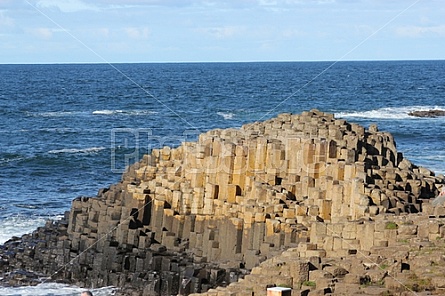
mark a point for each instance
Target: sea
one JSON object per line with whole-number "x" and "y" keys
{"x": 67, "y": 130}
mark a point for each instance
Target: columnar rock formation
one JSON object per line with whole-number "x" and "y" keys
{"x": 189, "y": 218}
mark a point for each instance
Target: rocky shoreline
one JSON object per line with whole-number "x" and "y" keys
{"x": 43, "y": 257}
{"x": 304, "y": 201}
{"x": 428, "y": 113}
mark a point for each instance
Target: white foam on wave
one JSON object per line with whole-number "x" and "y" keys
{"x": 124, "y": 112}
{"x": 107, "y": 112}
{"x": 96, "y": 112}
{"x": 19, "y": 225}
{"x": 52, "y": 289}
{"x": 12, "y": 159}
{"x": 226, "y": 115}
{"x": 75, "y": 150}
{"x": 388, "y": 113}
{"x": 55, "y": 113}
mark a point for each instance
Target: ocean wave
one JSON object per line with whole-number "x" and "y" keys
{"x": 388, "y": 113}
{"x": 55, "y": 113}
{"x": 26, "y": 206}
{"x": 49, "y": 157}
{"x": 124, "y": 112}
{"x": 52, "y": 130}
{"x": 18, "y": 225}
{"x": 90, "y": 150}
{"x": 96, "y": 112}
{"x": 47, "y": 289}
{"x": 226, "y": 115}
{"x": 6, "y": 160}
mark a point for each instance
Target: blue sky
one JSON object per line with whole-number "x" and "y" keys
{"x": 98, "y": 31}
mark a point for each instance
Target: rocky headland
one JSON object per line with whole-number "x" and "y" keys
{"x": 305, "y": 201}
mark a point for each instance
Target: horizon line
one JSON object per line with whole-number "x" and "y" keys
{"x": 220, "y": 62}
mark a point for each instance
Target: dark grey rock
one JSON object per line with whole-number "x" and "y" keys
{"x": 428, "y": 113}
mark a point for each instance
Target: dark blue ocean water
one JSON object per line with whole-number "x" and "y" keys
{"x": 68, "y": 130}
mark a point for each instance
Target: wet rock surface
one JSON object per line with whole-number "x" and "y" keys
{"x": 46, "y": 256}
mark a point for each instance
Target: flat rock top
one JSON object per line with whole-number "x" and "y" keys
{"x": 429, "y": 113}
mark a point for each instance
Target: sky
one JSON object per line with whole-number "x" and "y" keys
{"x": 113, "y": 31}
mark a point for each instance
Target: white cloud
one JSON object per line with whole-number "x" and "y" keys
{"x": 66, "y": 5}
{"x": 293, "y": 2}
{"x": 292, "y": 33}
{"x": 144, "y": 3}
{"x": 5, "y": 21}
{"x": 101, "y": 32}
{"x": 364, "y": 30}
{"x": 42, "y": 33}
{"x": 137, "y": 33}
{"x": 223, "y": 32}
{"x": 418, "y": 31}
{"x": 267, "y": 2}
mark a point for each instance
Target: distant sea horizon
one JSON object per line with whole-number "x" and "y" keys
{"x": 220, "y": 62}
